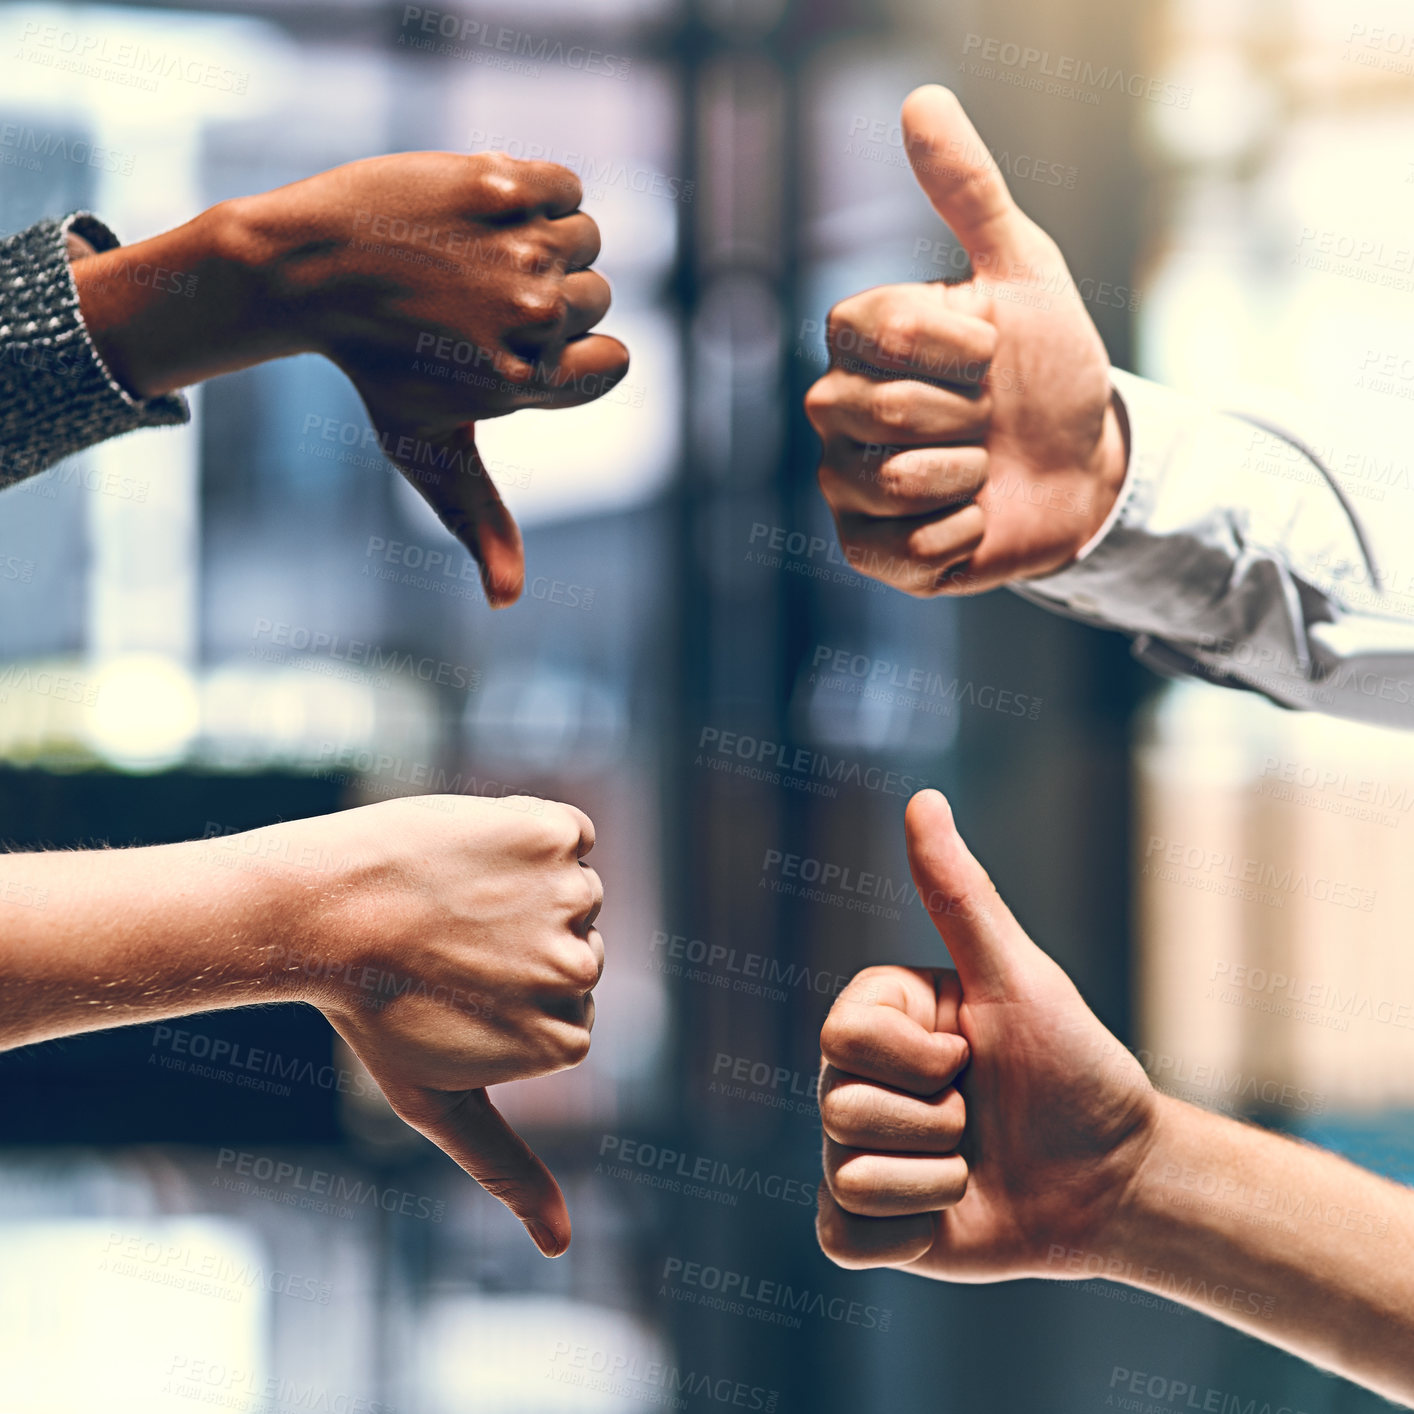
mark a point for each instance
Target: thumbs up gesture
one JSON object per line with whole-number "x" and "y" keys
{"x": 970, "y": 437}
{"x": 976, "y": 1119}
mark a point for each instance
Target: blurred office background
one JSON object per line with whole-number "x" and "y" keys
{"x": 174, "y": 663}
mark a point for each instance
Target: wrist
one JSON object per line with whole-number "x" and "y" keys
{"x": 273, "y": 900}
{"x": 249, "y": 248}
{"x": 1135, "y": 1233}
{"x": 1108, "y": 472}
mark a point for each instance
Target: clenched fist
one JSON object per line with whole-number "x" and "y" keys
{"x": 969, "y": 432}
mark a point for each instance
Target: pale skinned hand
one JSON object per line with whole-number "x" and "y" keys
{"x": 970, "y": 437}
{"x": 972, "y": 1118}
{"x": 449, "y": 288}
{"x": 455, "y": 950}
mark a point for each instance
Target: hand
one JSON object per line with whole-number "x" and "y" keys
{"x": 449, "y": 288}
{"x": 970, "y": 436}
{"x": 973, "y": 1120}
{"x": 451, "y": 942}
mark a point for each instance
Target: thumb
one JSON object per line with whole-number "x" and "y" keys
{"x": 473, "y": 1133}
{"x": 987, "y": 945}
{"x": 450, "y": 476}
{"x": 961, "y": 178}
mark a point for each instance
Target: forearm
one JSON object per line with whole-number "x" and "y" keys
{"x": 183, "y": 306}
{"x": 107, "y": 938}
{"x": 1289, "y": 1243}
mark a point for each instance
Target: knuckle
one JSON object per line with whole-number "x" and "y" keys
{"x": 566, "y": 183}
{"x": 920, "y": 583}
{"x": 915, "y": 545}
{"x": 952, "y": 1114}
{"x": 839, "y": 1036}
{"x": 559, "y": 830}
{"x": 574, "y": 1048}
{"x": 838, "y": 320}
{"x": 964, "y": 1180}
{"x": 830, "y": 1235}
{"x": 536, "y": 306}
{"x": 583, "y": 970}
{"x": 849, "y": 1112}
{"x": 899, "y": 333}
{"x": 502, "y": 183}
{"x": 968, "y": 471}
{"x": 820, "y": 400}
{"x": 891, "y": 404}
{"x": 856, "y": 1183}
{"x": 826, "y": 477}
{"x": 897, "y": 477}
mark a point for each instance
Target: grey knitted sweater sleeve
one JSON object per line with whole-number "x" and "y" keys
{"x": 56, "y": 394}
